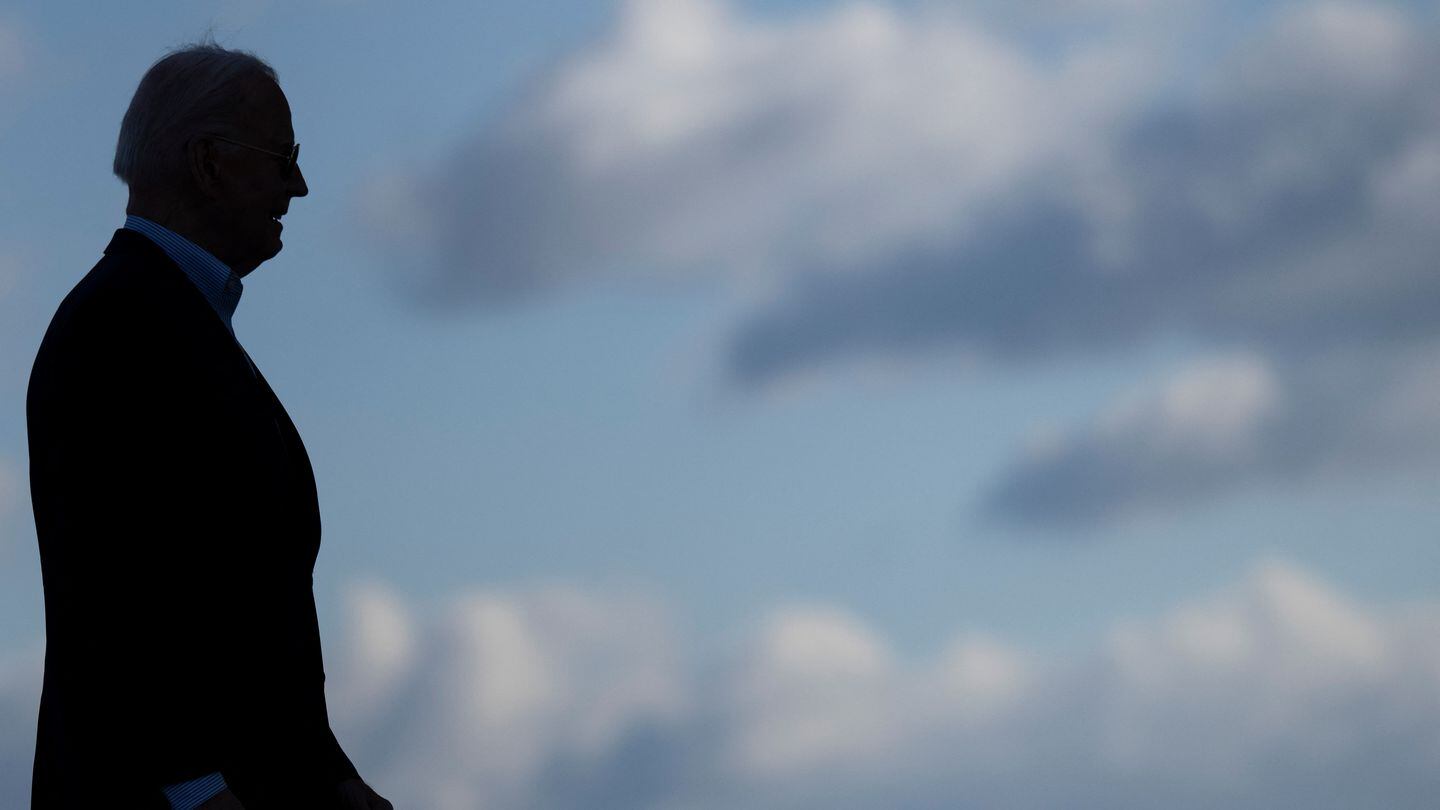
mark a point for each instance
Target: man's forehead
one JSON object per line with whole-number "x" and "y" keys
{"x": 266, "y": 110}
{"x": 284, "y": 135}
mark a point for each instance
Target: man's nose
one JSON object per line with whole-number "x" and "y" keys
{"x": 298, "y": 187}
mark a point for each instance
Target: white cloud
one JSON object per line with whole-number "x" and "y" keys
{"x": 1276, "y": 692}
{"x": 1364, "y": 47}
{"x": 380, "y": 651}
{"x": 812, "y": 693}
{"x": 1192, "y": 434}
{"x": 695, "y": 140}
{"x": 1271, "y": 205}
{"x": 472, "y": 707}
{"x": 21, "y": 674}
{"x": 1228, "y": 422}
{"x": 883, "y": 182}
{"x": 1212, "y": 409}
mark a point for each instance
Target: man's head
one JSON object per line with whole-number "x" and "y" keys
{"x": 193, "y": 150}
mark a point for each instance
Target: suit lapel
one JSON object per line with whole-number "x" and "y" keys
{"x": 237, "y": 371}
{"x": 299, "y": 460}
{"x": 146, "y": 256}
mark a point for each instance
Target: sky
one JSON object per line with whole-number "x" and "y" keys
{"x": 745, "y": 403}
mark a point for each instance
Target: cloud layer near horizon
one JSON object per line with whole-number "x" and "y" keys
{"x": 1274, "y": 692}
{"x": 881, "y": 183}
{"x": 1277, "y": 692}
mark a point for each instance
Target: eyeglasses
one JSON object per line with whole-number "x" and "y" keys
{"x": 290, "y": 160}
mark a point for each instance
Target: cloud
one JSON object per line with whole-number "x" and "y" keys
{"x": 1016, "y": 183}
{"x": 474, "y": 707}
{"x": 904, "y": 176}
{"x": 21, "y": 673}
{"x": 1226, "y": 422}
{"x": 1191, "y": 436}
{"x": 695, "y": 141}
{"x": 1275, "y": 692}
{"x": 1277, "y": 205}
{"x": 1280, "y": 211}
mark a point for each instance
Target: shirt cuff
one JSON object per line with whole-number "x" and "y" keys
{"x": 192, "y": 794}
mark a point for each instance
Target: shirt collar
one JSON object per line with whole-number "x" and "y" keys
{"x": 215, "y": 280}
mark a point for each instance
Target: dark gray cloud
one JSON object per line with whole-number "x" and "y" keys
{"x": 1267, "y": 207}
{"x": 1292, "y": 214}
{"x": 1286, "y": 208}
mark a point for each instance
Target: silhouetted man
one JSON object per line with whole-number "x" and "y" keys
{"x": 174, "y": 503}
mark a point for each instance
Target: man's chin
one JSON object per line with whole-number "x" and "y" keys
{"x": 246, "y": 268}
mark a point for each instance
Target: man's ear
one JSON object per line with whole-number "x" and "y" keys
{"x": 203, "y": 161}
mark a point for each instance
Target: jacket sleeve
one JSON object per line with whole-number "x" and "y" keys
{"x": 333, "y": 766}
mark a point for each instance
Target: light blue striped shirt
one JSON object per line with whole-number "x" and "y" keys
{"x": 192, "y": 794}
{"x": 222, "y": 288}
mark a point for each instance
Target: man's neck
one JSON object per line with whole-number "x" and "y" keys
{"x": 177, "y": 216}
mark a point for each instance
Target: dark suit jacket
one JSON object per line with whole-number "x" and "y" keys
{"x": 178, "y": 528}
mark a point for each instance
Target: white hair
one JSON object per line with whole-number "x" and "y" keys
{"x": 192, "y": 90}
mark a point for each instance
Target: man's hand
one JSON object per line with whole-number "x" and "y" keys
{"x": 224, "y": 800}
{"x": 356, "y": 795}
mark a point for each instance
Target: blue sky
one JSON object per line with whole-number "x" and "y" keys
{"x": 871, "y": 343}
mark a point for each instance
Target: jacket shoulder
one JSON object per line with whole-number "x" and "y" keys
{"x": 122, "y": 305}
{"x": 133, "y": 273}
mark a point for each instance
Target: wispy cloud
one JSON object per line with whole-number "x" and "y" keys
{"x": 1277, "y": 692}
